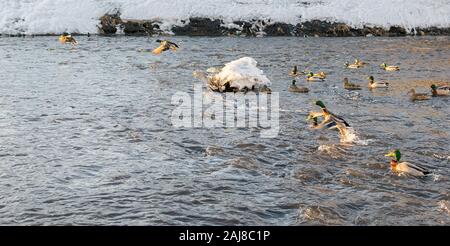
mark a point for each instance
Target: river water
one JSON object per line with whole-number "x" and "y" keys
{"x": 86, "y": 136}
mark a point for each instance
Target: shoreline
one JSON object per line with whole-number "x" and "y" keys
{"x": 113, "y": 25}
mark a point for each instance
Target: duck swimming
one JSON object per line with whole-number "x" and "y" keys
{"x": 442, "y": 90}
{"x": 418, "y": 96}
{"x": 66, "y": 38}
{"x": 350, "y": 86}
{"x": 356, "y": 64}
{"x": 405, "y": 167}
{"x": 314, "y": 77}
{"x": 360, "y": 63}
{"x": 165, "y": 45}
{"x": 294, "y": 88}
{"x": 353, "y": 66}
{"x": 389, "y": 68}
{"x": 373, "y": 84}
{"x": 295, "y": 73}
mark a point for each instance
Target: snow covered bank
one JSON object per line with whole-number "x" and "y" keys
{"x": 238, "y": 75}
{"x": 283, "y": 17}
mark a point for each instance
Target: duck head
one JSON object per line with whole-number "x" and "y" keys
{"x": 383, "y": 65}
{"x": 293, "y": 82}
{"x": 320, "y": 104}
{"x": 345, "y": 80}
{"x": 371, "y": 79}
{"x": 433, "y": 87}
{"x": 395, "y": 154}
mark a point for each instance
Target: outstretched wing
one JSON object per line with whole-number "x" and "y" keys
{"x": 340, "y": 120}
{"x": 173, "y": 44}
{"x": 71, "y": 40}
{"x": 160, "y": 49}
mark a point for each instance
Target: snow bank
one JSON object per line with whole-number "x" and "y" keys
{"x": 49, "y": 16}
{"x": 56, "y": 16}
{"x": 242, "y": 73}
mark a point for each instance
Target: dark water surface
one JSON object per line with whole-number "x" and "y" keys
{"x": 86, "y": 136}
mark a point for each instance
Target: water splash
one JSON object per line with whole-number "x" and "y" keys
{"x": 444, "y": 206}
{"x": 335, "y": 151}
{"x": 436, "y": 177}
{"x": 351, "y": 137}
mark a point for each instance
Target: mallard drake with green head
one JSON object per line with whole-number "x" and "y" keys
{"x": 442, "y": 90}
{"x": 330, "y": 120}
{"x": 405, "y": 167}
{"x": 389, "y": 68}
{"x": 376, "y": 84}
{"x": 314, "y": 77}
{"x": 329, "y": 115}
{"x": 350, "y": 86}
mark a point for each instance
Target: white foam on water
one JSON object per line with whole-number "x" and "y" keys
{"x": 352, "y": 137}
{"x": 436, "y": 177}
{"x": 444, "y": 206}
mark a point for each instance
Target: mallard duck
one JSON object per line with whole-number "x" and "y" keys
{"x": 314, "y": 77}
{"x": 330, "y": 116}
{"x": 360, "y": 63}
{"x": 165, "y": 45}
{"x": 294, "y": 88}
{"x": 389, "y": 68}
{"x": 405, "y": 167}
{"x": 294, "y": 72}
{"x": 353, "y": 66}
{"x": 350, "y": 86}
{"x": 66, "y": 38}
{"x": 373, "y": 84}
{"x": 418, "y": 96}
{"x": 330, "y": 120}
{"x": 442, "y": 90}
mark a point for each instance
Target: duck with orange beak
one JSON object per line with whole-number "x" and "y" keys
{"x": 405, "y": 167}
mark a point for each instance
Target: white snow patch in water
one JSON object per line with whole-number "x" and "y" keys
{"x": 243, "y": 73}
